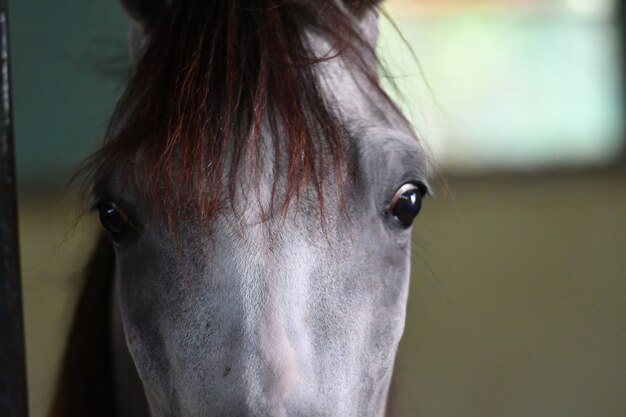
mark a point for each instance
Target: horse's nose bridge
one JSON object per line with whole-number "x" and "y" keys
{"x": 273, "y": 276}
{"x": 274, "y": 332}
{"x": 278, "y": 352}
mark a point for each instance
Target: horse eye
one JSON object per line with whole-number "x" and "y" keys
{"x": 114, "y": 220}
{"x": 407, "y": 202}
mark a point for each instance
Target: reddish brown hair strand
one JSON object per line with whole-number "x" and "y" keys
{"x": 213, "y": 75}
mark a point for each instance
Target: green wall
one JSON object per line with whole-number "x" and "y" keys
{"x": 68, "y": 61}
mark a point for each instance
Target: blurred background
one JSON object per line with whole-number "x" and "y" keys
{"x": 518, "y": 296}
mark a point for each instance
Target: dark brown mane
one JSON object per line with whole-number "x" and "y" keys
{"x": 212, "y": 74}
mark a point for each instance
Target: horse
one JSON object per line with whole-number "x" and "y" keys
{"x": 257, "y": 189}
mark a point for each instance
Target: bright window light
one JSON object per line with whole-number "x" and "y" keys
{"x": 509, "y": 84}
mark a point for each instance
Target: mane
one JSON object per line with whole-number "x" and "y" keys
{"x": 212, "y": 77}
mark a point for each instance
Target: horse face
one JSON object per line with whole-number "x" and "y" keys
{"x": 292, "y": 315}
{"x": 289, "y": 316}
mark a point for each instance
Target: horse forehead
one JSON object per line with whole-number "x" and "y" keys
{"x": 369, "y": 120}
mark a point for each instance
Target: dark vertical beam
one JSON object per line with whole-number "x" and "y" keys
{"x": 13, "y": 395}
{"x": 620, "y": 23}
{"x": 621, "y": 26}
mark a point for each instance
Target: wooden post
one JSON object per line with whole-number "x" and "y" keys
{"x": 13, "y": 392}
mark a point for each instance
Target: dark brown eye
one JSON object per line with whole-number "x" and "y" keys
{"x": 407, "y": 202}
{"x": 114, "y": 220}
